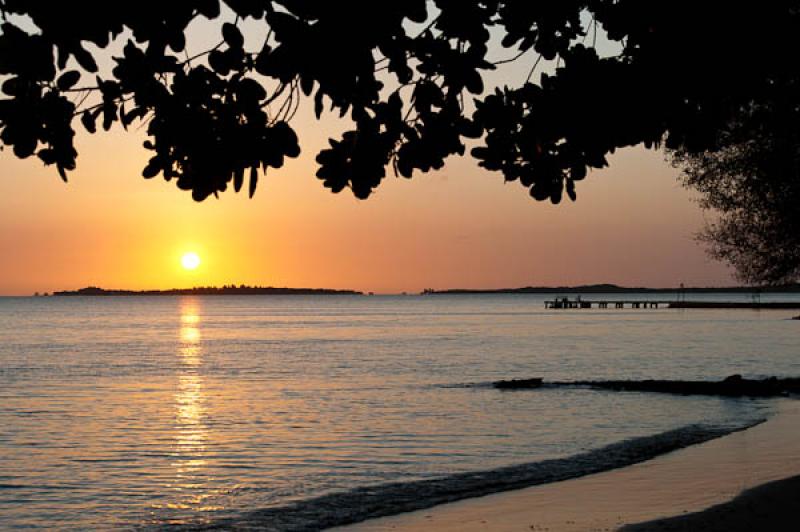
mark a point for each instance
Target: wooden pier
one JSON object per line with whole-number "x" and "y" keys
{"x": 755, "y": 305}
{"x": 566, "y": 303}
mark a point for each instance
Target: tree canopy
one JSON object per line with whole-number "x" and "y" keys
{"x": 409, "y": 76}
{"x": 751, "y": 183}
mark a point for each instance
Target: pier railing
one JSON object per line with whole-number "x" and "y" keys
{"x": 566, "y": 303}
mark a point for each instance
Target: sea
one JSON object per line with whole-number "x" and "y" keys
{"x": 302, "y": 412}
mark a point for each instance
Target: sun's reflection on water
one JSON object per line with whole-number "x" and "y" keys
{"x": 190, "y": 398}
{"x": 191, "y": 435}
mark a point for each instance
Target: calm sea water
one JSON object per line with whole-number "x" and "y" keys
{"x": 138, "y": 412}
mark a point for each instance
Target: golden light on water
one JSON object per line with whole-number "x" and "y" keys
{"x": 189, "y": 336}
{"x": 190, "y": 413}
{"x": 191, "y": 431}
{"x": 190, "y": 399}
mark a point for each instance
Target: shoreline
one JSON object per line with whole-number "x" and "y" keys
{"x": 689, "y": 480}
{"x": 375, "y": 502}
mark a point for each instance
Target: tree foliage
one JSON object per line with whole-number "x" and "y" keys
{"x": 409, "y": 76}
{"x": 752, "y": 185}
{"x": 400, "y": 71}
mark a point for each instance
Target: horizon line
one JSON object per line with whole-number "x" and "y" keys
{"x": 441, "y": 291}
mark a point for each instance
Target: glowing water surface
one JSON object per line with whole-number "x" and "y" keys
{"x": 137, "y": 411}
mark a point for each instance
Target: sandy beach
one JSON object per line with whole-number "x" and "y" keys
{"x": 771, "y": 506}
{"x": 701, "y": 487}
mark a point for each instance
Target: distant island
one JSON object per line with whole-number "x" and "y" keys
{"x": 615, "y": 289}
{"x": 229, "y": 290}
{"x": 605, "y": 288}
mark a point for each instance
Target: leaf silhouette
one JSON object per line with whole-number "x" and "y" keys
{"x": 68, "y": 79}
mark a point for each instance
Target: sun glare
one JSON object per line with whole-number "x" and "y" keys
{"x": 190, "y": 261}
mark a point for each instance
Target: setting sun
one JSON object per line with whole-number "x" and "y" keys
{"x": 190, "y": 261}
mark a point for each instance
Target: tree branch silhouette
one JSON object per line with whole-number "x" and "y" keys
{"x": 677, "y": 82}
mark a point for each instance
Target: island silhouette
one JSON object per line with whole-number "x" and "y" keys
{"x": 608, "y": 288}
{"x": 208, "y": 291}
{"x": 603, "y": 288}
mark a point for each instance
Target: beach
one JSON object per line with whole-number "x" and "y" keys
{"x": 700, "y": 485}
{"x": 771, "y": 506}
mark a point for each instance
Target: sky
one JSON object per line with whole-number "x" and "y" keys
{"x": 633, "y": 224}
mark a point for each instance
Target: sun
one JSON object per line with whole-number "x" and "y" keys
{"x": 190, "y": 261}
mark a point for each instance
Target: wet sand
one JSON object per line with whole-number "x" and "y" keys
{"x": 682, "y": 482}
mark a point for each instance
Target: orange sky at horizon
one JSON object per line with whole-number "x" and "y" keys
{"x": 633, "y": 225}
{"x": 460, "y": 227}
